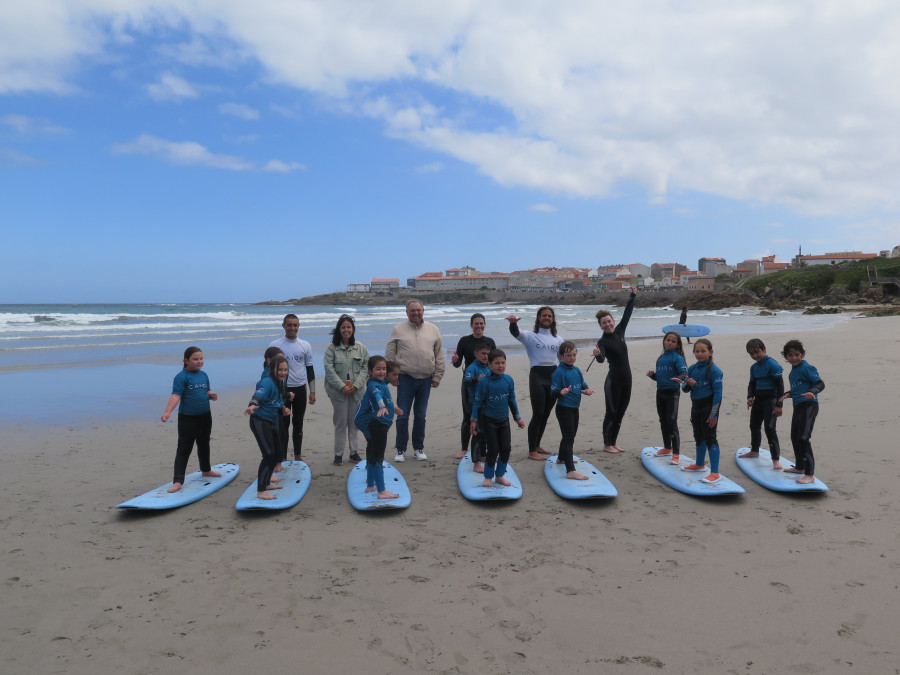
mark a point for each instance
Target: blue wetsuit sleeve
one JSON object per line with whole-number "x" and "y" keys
{"x": 513, "y": 406}
{"x": 479, "y": 398}
{"x": 716, "y": 384}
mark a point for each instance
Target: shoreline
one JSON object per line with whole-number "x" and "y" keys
{"x": 775, "y": 583}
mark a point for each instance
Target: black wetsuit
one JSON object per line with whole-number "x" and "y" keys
{"x": 617, "y": 388}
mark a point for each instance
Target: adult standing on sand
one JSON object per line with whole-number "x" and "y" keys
{"x": 683, "y": 321}
{"x": 346, "y": 372}
{"x": 542, "y": 346}
{"x": 464, "y": 355}
{"x": 611, "y": 347}
{"x": 300, "y": 374}
{"x": 418, "y": 348}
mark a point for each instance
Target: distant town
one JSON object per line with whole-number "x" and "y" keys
{"x": 712, "y": 274}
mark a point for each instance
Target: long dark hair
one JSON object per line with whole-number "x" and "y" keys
{"x": 537, "y": 320}
{"x": 336, "y": 333}
{"x": 679, "y": 349}
{"x": 273, "y": 372}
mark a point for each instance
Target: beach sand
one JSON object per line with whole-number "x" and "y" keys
{"x": 653, "y": 581}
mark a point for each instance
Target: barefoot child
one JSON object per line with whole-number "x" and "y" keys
{"x": 494, "y": 394}
{"x": 764, "y": 399}
{"x": 283, "y": 420}
{"x": 478, "y": 369}
{"x": 264, "y": 409}
{"x": 669, "y": 376}
{"x": 704, "y": 381}
{"x": 567, "y": 384}
{"x": 190, "y": 392}
{"x": 374, "y": 418}
{"x": 805, "y": 388}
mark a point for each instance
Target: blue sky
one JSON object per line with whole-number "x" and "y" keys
{"x": 230, "y": 151}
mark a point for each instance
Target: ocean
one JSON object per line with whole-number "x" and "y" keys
{"x": 75, "y": 364}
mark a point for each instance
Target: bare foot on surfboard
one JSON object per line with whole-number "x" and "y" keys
{"x": 749, "y": 454}
{"x": 265, "y": 495}
{"x": 371, "y": 488}
{"x": 503, "y": 481}
{"x": 387, "y": 495}
{"x": 175, "y": 487}
{"x": 574, "y": 475}
{"x": 212, "y": 474}
{"x": 792, "y": 469}
{"x": 806, "y": 480}
{"x": 478, "y": 467}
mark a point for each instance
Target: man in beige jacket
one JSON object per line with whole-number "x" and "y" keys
{"x": 417, "y": 346}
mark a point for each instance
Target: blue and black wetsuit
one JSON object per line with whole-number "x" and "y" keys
{"x": 377, "y": 396}
{"x": 495, "y": 397}
{"x": 706, "y": 399}
{"x": 766, "y": 389}
{"x": 804, "y": 378}
{"x": 567, "y": 408}
{"x": 465, "y": 349}
{"x": 668, "y": 394}
{"x": 264, "y": 424}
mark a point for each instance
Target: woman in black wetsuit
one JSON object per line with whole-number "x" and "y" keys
{"x": 611, "y": 347}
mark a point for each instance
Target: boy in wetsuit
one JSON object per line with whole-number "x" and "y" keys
{"x": 806, "y": 385}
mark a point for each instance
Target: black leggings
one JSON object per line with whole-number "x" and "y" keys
{"x": 541, "y": 403}
{"x": 498, "y": 440}
{"x": 377, "y": 443}
{"x": 761, "y": 416}
{"x": 618, "y": 396}
{"x": 568, "y": 426}
{"x": 465, "y": 433}
{"x": 298, "y": 408}
{"x": 267, "y": 438}
{"x": 700, "y": 411}
{"x": 191, "y": 429}
{"x": 667, "y": 409}
{"x": 801, "y": 431}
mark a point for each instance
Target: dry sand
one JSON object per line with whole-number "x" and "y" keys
{"x": 653, "y": 581}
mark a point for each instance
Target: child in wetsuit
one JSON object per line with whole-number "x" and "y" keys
{"x": 567, "y": 385}
{"x": 764, "y": 399}
{"x": 669, "y": 376}
{"x": 704, "y": 381}
{"x": 494, "y": 394}
{"x": 806, "y": 385}
{"x": 374, "y": 418}
{"x": 264, "y": 410}
{"x": 478, "y": 369}
{"x": 190, "y": 392}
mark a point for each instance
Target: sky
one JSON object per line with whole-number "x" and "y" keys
{"x": 228, "y": 151}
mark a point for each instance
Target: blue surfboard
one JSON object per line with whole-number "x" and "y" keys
{"x": 687, "y": 330}
{"x": 195, "y": 487}
{"x": 368, "y": 501}
{"x": 759, "y": 469}
{"x": 597, "y": 486}
{"x": 686, "y": 481}
{"x": 295, "y": 480}
{"x": 470, "y": 483}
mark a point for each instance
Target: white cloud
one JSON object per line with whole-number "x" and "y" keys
{"x": 171, "y": 87}
{"x": 545, "y": 208}
{"x": 768, "y": 102}
{"x": 189, "y": 153}
{"x": 239, "y": 110}
{"x": 32, "y": 126}
{"x": 433, "y": 167}
{"x": 14, "y": 158}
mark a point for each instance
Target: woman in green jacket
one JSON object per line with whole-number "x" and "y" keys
{"x": 345, "y": 383}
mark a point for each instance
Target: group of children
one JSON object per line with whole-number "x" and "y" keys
{"x": 765, "y": 397}
{"x": 491, "y": 396}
